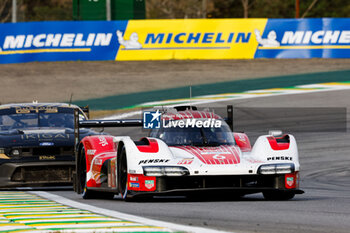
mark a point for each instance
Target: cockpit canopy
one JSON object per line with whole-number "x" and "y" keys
{"x": 195, "y": 136}
{"x": 30, "y": 117}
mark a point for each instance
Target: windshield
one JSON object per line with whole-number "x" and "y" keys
{"x": 34, "y": 120}
{"x": 212, "y": 136}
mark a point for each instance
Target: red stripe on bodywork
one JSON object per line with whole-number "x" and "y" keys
{"x": 277, "y": 145}
{"x": 153, "y": 147}
{"x": 221, "y": 155}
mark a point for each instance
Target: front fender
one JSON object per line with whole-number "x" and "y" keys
{"x": 95, "y": 145}
{"x": 155, "y": 152}
{"x": 269, "y": 149}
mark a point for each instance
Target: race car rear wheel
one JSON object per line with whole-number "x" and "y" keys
{"x": 123, "y": 175}
{"x": 278, "y": 195}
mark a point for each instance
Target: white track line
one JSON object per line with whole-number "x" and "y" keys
{"x": 120, "y": 215}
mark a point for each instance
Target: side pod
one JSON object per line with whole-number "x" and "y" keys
{"x": 93, "y": 124}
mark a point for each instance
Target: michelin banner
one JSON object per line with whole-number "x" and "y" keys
{"x": 175, "y": 39}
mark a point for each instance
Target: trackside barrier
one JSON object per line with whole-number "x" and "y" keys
{"x": 175, "y": 39}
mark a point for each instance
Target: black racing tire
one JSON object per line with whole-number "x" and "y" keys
{"x": 123, "y": 175}
{"x": 278, "y": 195}
{"x": 86, "y": 193}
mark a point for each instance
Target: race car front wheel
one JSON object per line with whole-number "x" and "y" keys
{"x": 123, "y": 175}
{"x": 89, "y": 194}
{"x": 278, "y": 195}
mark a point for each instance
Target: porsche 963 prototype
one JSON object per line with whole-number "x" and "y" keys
{"x": 193, "y": 151}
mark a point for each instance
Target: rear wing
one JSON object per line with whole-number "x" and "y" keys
{"x": 100, "y": 124}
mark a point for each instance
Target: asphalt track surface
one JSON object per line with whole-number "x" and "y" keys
{"x": 325, "y": 171}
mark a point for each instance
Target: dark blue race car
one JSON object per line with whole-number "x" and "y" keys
{"x": 37, "y": 143}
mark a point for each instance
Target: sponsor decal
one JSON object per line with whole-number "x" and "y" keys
{"x": 134, "y": 178}
{"x": 132, "y": 43}
{"x": 254, "y": 160}
{"x": 320, "y": 37}
{"x": 90, "y": 152}
{"x": 242, "y": 139}
{"x": 134, "y": 185}
{"x": 60, "y": 41}
{"x": 44, "y": 136}
{"x": 47, "y": 157}
{"x": 151, "y": 119}
{"x": 36, "y": 109}
{"x": 149, "y": 184}
{"x": 287, "y": 158}
{"x": 103, "y": 141}
{"x": 270, "y": 41}
{"x": 146, "y": 161}
{"x": 324, "y": 38}
{"x": 290, "y": 181}
{"x": 57, "y": 40}
{"x": 183, "y": 38}
{"x": 316, "y": 37}
{"x": 98, "y": 161}
{"x": 188, "y": 39}
{"x": 185, "y": 161}
{"x": 219, "y": 157}
{"x": 46, "y": 143}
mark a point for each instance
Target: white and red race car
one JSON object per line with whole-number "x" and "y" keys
{"x": 174, "y": 159}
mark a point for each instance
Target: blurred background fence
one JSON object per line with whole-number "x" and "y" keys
{"x": 63, "y": 10}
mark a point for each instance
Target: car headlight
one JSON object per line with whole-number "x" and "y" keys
{"x": 15, "y": 152}
{"x": 165, "y": 171}
{"x": 282, "y": 168}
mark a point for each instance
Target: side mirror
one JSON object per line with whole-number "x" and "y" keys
{"x": 242, "y": 141}
{"x": 275, "y": 133}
